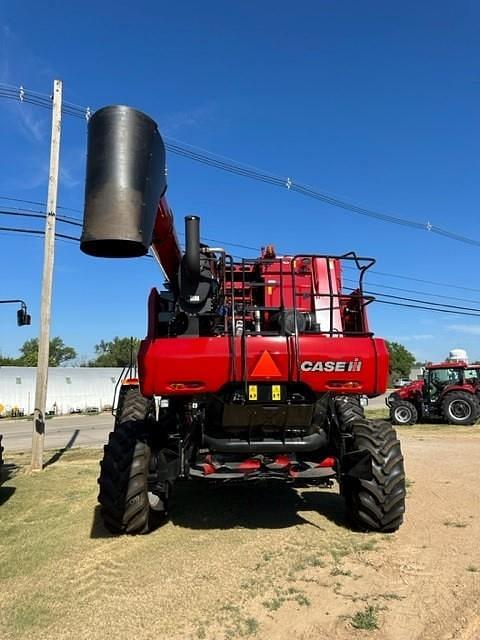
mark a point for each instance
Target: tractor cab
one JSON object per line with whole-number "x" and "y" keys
{"x": 472, "y": 374}
{"x": 441, "y": 376}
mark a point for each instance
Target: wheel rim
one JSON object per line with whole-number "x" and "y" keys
{"x": 460, "y": 410}
{"x": 403, "y": 415}
{"x": 156, "y": 503}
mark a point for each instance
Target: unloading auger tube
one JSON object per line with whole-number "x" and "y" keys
{"x": 251, "y": 369}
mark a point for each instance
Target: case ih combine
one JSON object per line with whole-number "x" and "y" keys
{"x": 251, "y": 369}
{"x": 449, "y": 392}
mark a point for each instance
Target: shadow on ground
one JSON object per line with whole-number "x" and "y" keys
{"x": 5, "y": 494}
{"x": 253, "y": 506}
{"x": 7, "y": 472}
{"x": 269, "y": 505}
{"x": 58, "y": 454}
{"x": 98, "y": 529}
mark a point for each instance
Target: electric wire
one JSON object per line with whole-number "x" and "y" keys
{"x": 43, "y": 100}
{"x": 38, "y": 214}
{"x": 436, "y": 304}
{"x": 424, "y": 293}
{"x": 38, "y": 232}
{"x": 413, "y": 306}
{"x": 257, "y": 249}
{"x": 213, "y": 160}
{"x": 432, "y": 306}
{"x": 37, "y": 203}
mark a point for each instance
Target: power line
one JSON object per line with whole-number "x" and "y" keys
{"x": 423, "y": 281}
{"x": 450, "y": 309}
{"x": 430, "y": 302}
{"x": 75, "y": 222}
{"x": 39, "y": 214}
{"x": 38, "y": 232}
{"x": 38, "y": 204}
{"x": 246, "y": 171}
{"x": 413, "y": 306}
{"x": 424, "y": 293}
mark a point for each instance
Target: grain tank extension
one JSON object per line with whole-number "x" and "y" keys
{"x": 251, "y": 369}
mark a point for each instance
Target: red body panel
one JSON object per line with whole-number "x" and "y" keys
{"x": 316, "y": 283}
{"x": 189, "y": 366}
{"x": 165, "y": 244}
{"x": 409, "y": 390}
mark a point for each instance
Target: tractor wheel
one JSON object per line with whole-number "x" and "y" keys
{"x": 403, "y": 412}
{"x": 127, "y": 505}
{"x": 460, "y": 407}
{"x": 375, "y": 497}
{"x": 1, "y": 451}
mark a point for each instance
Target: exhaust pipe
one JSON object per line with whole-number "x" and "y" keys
{"x": 192, "y": 249}
{"x": 124, "y": 184}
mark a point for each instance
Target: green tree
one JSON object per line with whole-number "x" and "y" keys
{"x": 401, "y": 360}
{"x": 119, "y": 352}
{"x": 5, "y": 361}
{"x": 59, "y": 353}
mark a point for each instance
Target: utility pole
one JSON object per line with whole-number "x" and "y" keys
{"x": 46, "y": 300}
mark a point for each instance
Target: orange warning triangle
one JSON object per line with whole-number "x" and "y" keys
{"x": 266, "y": 367}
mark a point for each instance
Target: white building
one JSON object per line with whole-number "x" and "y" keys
{"x": 69, "y": 388}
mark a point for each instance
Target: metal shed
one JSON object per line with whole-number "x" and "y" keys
{"x": 69, "y": 388}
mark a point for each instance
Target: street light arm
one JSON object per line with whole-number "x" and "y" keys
{"x": 23, "y": 317}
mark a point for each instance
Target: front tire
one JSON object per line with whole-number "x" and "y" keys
{"x": 374, "y": 496}
{"x": 403, "y": 412}
{"x": 460, "y": 407}
{"x": 127, "y": 503}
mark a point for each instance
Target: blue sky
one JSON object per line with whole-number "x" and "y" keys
{"x": 376, "y": 102}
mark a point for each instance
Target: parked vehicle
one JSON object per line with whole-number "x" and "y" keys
{"x": 401, "y": 382}
{"x": 449, "y": 392}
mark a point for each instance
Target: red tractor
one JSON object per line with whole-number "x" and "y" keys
{"x": 251, "y": 369}
{"x": 449, "y": 392}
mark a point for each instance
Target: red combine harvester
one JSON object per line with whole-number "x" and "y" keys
{"x": 449, "y": 391}
{"x": 251, "y": 369}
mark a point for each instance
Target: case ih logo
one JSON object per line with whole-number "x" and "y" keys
{"x": 332, "y": 365}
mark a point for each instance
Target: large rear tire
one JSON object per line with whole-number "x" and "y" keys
{"x": 460, "y": 407}
{"x": 1, "y": 451}
{"x": 127, "y": 505}
{"x": 375, "y": 500}
{"x": 403, "y": 412}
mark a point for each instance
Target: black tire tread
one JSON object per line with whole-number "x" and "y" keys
{"x": 123, "y": 477}
{"x": 376, "y": 504}
{"x": 463, "y": 395}
{"x": 410, "y": 405}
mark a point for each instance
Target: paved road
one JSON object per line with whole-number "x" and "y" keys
{"x": 60, "y": 432}
{"x": 378, "y": 403}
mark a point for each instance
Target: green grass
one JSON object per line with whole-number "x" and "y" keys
{"x": 377, "y": 414}
{"x": 62, "y": 575}
{"x": 236, "y": 624}
{"x": 391, "y": 596}
{"x": 338, "y": 571}
{"x": 455, "y": 523}
{"x": 366, "y": 619}
{"x": 291, "y": 594}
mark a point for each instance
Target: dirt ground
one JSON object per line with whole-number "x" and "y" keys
{"x": 252, "y": 561}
